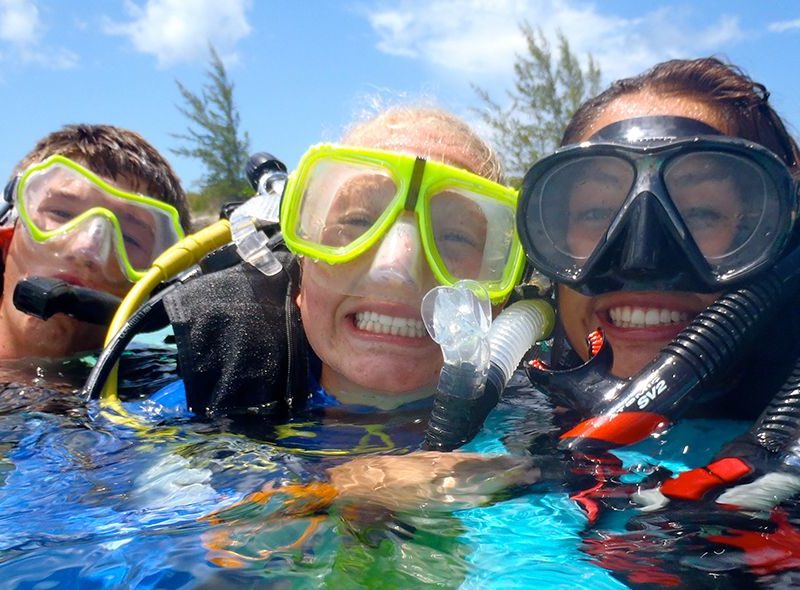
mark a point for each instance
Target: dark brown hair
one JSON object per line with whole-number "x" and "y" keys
{"x": 116, "y": 154}
{"x": 742, "y": 102}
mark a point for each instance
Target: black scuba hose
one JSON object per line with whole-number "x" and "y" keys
{"x": 111, "y": 353}
{"x": 716, "y": 339}
{"x": 455, "y": 420}
{"x": 779, "y": 423}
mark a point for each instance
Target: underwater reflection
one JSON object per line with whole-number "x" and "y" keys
{"x": 179, "y": 504}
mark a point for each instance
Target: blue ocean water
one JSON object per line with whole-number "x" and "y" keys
{"x": 86, "y": 503}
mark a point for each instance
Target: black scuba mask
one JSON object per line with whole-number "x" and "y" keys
{"x": 656, "y": 204}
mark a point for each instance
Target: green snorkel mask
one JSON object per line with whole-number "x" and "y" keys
{"x": 345, "y": 204}
{"x": 58, "y": 199}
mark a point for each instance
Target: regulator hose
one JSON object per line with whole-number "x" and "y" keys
{"x": 779, "y": 424}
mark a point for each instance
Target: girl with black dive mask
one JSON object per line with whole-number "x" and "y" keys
{"x": 652, "y": 258}
{"x": 698, "y": 212}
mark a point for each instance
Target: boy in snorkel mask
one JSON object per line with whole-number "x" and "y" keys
{"x": 91, "y": 205}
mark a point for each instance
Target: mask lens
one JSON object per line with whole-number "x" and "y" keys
{"x": 473, "y": 235}
{"x": 54, "y": 197}
{"x": 343, "y": 201}
{"x": 578, "y": 201}
{"x": 724, "y": 200}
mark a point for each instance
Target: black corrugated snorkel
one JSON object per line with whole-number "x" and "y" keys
{"x": 479, "y": 356}
{"x": 626, "y": 411}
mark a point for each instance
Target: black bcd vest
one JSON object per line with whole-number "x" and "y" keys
{"x": 241, "y": 346}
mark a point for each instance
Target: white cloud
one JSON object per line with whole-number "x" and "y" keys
{"x": 19, "y": 22}
{"x": 180, "y": 30}
{"x": 481, "y": 37}
{"x": 782, "y": 26}
{"x": 22, "y": 31}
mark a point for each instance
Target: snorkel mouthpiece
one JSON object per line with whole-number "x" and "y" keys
{"x": 480, "y": 357}
{"x": 43, "y": 297}
{"x": 458, "y": 319}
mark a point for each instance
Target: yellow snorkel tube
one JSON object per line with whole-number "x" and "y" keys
{"x": 267, "y": 175}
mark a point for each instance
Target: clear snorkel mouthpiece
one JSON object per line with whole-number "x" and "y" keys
{"x": 269, "y": 177}
{"x": 458, "y": 319}
{"x": 479, "y": 356}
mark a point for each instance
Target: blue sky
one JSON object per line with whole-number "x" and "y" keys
{"x": 304, "y": 69}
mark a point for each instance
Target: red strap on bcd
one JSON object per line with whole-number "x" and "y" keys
{"x": 694, "y": 484}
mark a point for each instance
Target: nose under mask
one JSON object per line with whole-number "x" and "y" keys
{"x": 399, "y": 256}
{"x": 88, "y": 249}
{"x": 393, "y": 270}
{"x": 92, "y": 240}
{"x": 642, "y": 255}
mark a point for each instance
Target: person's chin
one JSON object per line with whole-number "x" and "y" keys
{"x": 54, "y": 337}
{"x": 630, "y": 357}
{"x": 396, "y": 369}
{"x": 395, "y": 381}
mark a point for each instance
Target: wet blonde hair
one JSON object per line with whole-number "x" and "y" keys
{"x": 435, "y": 127}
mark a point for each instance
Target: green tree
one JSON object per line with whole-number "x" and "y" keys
{"x": 547, "y": 91}
{"x": 213, "y": 137}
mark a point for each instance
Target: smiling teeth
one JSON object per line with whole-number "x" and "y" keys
{"x": 642, "y": 317}
{"x": 370, "y": 321}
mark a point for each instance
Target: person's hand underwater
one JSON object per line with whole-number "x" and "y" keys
{"x": 426, "y": 481}
{"x": 429, "y": 481}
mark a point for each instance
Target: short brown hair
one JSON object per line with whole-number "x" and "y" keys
{"x": 116, "y": 154}
{"x": 741, "y": 101}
